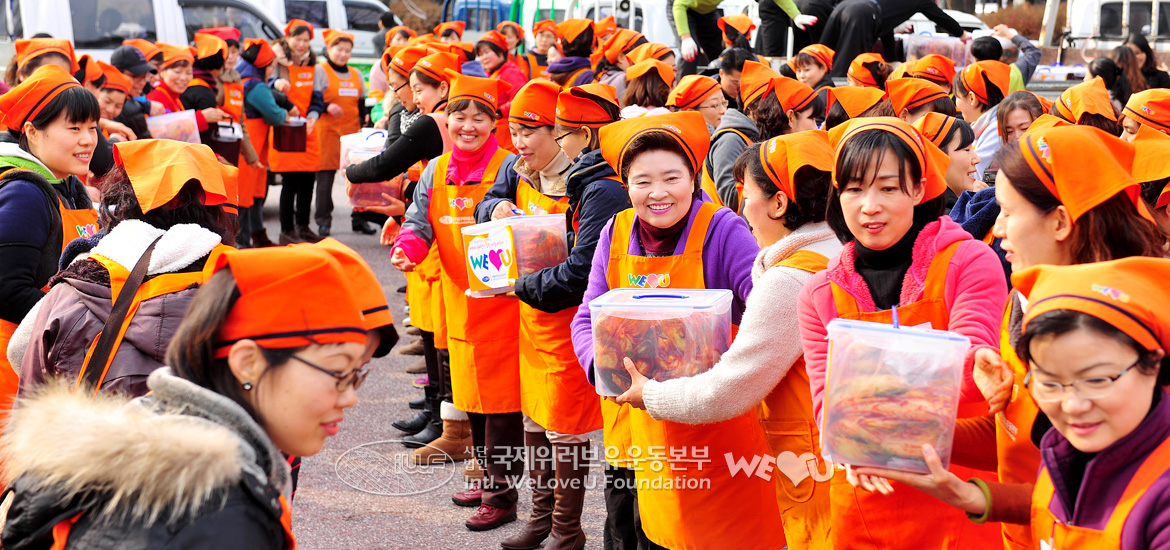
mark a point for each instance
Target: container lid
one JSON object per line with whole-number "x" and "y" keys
{"x": 661, "y": 299}
{"x": 295, "y": 121}
{"x": 885, "y": 330}
{"x": 228, "y": 132}
{"x": 368, "y": 139}
{"x": 541, "y": 219}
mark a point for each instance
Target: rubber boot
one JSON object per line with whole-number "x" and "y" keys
{"x": 539, "y": 453}
{"x": 572, "y": 471}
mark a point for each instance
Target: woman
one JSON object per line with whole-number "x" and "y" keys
{"x": 32, "y": 53}
{"x": 913, "y": 98}
{"x": 203, "y": 88}
{"x": 574, "y": 45}
{"x": 1057, "y": 221}
{"x": 650, "y": 50}
{"x": 886, "y": 206}
{"x": 1140, "y": 47}
{"x": 979, "y": 88}
{"x": 492, "y": 53}
{"x": 1146, "y": 109}
{"x": 544, "y": 35}
{"x": 52, "y": 125}
{"x": 264, "y": 108}
{"x": 450, "y": 32}
{"x": 869, "y": 70}
{"x": 737, "y": 31}
{"x": 296, "y": 76}
{"x": 955, "y": 138}
{"x": 813, "y": 65}
{"x": 936, "y": 68}
{"x": 183, "y": 210}
{"x": 849, "y": 102}
{"x": 1016, "y": 113}
{"x": 611, "y": 67}
{"x": 787, "y": 106}
{"x": 702, "y": 94}
{"x": 345, "y": 109}
{"x": 671, "y": 230}
{"x": 399, "y": 35}
{"x": 1087, "y": 104}
{"x": 735, "y": 132}
{"x": 1130, "y": 67}
{"x": 559, "y": 406}
{"x": 786, "y": 183}
{"x": 1113, "y": 77}
{"x": 199, "y": 461}
{"x": 482, "y": 332}
{"x": 174, "y": 77}
{"x": 647, "y": 88}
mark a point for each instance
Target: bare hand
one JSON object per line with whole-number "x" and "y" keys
{"x": 281, "y": 85}
{"x": 309, "y": 124}
{"x": 939, "y": 483}
{"x": 294, "y": 112}
{"x": 257, "y": 165}
{"x": 994, "y": 379}
{"x": 503, "y": 210}
{"x": 212, "y": 114}
{"x": 117, "y": 128}
{"x": 1003, "y": 31}
{"x": 381, "y": 124}
{"x": 977, "y": 185}
{"x": 400, "y": 262}
{"x": 335, "y": 110}
{"x": 157, "y": 109}
{"x": 394, "y": 207}
{"x": 966, "y": 37}
{"x": 390, "y": 231}
{"x": 633, "y": 396}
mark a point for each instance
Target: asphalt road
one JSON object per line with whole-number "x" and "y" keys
{"x": 355, "y": 493}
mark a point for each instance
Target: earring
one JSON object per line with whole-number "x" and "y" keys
{"x": 247, "y": 386}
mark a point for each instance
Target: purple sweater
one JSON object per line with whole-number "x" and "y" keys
{"x": 1105, "y": 478}
{"x": 728, "y": 254}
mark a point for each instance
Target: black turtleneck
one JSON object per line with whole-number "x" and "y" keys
{"x": 340, "y": 69}
{"x": 884, "y": 270}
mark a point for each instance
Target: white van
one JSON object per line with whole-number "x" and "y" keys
{"x": 96, "y": 27}
{"x": 648, "y": 17}
{"x": 359, "y": 17}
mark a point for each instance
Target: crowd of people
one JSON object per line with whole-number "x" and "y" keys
{"x": 167, "y": 363}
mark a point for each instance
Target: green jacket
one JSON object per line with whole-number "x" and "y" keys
{"x": 707, "y": 6}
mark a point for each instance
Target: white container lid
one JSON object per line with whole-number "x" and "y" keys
{"x": 883, "y": 330}
{"x": 368, "y": 139}
{"x": 540, "y": 220}
{"x": 295, "y": 121}
{"x": 679, "y": 301}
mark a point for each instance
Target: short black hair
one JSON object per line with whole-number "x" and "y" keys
{"x": 994, "y": 94}
{"x": 387, "y": 19}
{"x": 581, "y": 46}
{"x": 986, "y": 48}
{"x": 76, "y": 104}
{"x": 213, "y": 63}
{"x": 734, "y": 58}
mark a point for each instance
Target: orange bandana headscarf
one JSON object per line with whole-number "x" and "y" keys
{"x": 783, "y": 156}
{"x": 930, "y": 158}
{"x": 24, "y": 102}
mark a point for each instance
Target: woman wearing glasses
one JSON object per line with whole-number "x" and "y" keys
{"x": 1055, "y": 210}
{"x": 699, "y": 93}
{"x": 198, "y": 463}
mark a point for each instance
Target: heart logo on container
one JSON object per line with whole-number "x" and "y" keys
{"x": 490, "y": 258}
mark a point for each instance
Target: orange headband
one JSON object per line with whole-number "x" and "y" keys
{"x": 793, "y": 94}
{"x": 294, "y": 23}
{"x": 535, "y": 104}
{"x": 581, "y": 106}
{"x": 687, "y": 128}
{"x": 935, "y": 127}
{"x": 855, "y": 99}
{"x": 486, "y": 91}
{"x": 1151, "y": 108}
{"x": 436, "y": 65}
{"x": 821, "y": 53}
{"x": 783, "y": 156}
{"x": 930, "y": 158}
{"x": 911, "y": 93}
{"x": 936, "y": 68}
{"x": 755, "y": 81}
{"x": 159, "y": 168}
{"x": 858, "y": 72}
{"x": 28, "y": 49}
{"x": 977, "y": 75}
{"x": 115, "y": 80}
{"x": 1086, "y": 98}
{"x": 642, "y": 68}
{"x": 24, "y": 102}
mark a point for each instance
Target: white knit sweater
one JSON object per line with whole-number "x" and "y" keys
{"x": 765, "y": 348}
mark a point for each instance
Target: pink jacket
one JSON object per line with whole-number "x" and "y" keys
{"x": 975, "y": 294}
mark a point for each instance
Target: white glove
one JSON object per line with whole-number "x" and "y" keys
{"x": 689, "y": 49}
{"x": 802, "y": 21}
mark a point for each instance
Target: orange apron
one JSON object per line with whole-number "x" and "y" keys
{"x": 233, "y": 100}
{"x": 482, "y": 333}
{"x": 787, "y": 417}
{"x": 712, "y": 509}
{"x": 253, "y": 183}
{"x": 573, "y": 78}
{"x": 707, "y": 181}
{"x": 430, "y": 270}
{"x": 167, "y": 283}
{"x": 1051, "y": 533}
{"x": 862, "y": 520}
{"x": 75, "y": 223}
{"x": 346, "y": 94}
{"x": 531, "y": 67}
{"x": 300, "y": 93}
{"x": 554, "y": 391}
{"x": 1019, "y": 459}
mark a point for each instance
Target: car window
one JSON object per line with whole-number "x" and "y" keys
{"x": 201, "y": 16}
{"x": 106, "y": 23}
{"x": 312, "y": 11}
{"x": 361, "y": 17}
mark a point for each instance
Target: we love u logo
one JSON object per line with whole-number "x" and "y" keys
{"x": 86, "y": 231}
{"x": 491, "y": 259}
{"x": 653, "y": 280}
{"x": 461, "y": 203}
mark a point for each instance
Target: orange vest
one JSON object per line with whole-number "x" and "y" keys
{"x": 862, "y": 520}
{"x": 1018, "y": 456}
{"x": 530, "y": 66}
{"x": 707, "y": 180}
{"x": 167, "y": 283}
{"x": 1052, "y": 534}
{"x": 554, "y": 391}
{"x": 75, "y": 223}
{"x": 787, "y": 417}
{"x": 233, "y": 100}
{"x": 482, "y": 333}
{"x": 300, "y": 93}
{"x": 346, "y": 94}
{"x": 710, "y": 507}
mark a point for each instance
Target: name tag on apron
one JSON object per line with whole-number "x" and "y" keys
{"x": 347, "y": 92}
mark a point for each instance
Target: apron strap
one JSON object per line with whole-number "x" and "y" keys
{"x": 1151, "y": 469}
{"x": 935, "y": 286}
{"x": 699, "y": 228}
{"x": 805, "y": 260}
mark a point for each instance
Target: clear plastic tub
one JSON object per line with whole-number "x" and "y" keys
{"x": 668, "y": 333}
{"x": 360, "y": 147}
{"x": 889, "y": 391}
{"x": 502, "y": 250}
{"x": 180, "y": 126}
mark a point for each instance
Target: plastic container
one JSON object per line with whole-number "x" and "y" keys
{"x": 360, "y": 147}
{"x": 290, "y": 137}
{"x": 502, "y": 250}
{"x": 668, "y": 333}
{"x": 889, "y": 391}
{"x": 226, "y": 139}
{"x": 917, "y": 46}
{"x": 180, "y": 126}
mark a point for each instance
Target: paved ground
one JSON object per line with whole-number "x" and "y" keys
{"x": 337, "y": 504}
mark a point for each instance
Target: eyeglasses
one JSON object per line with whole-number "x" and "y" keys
{"x": 719, "y": 105}
{"x": 1087, "y": 388}
{"x": 401, "y": 87}
{"x": 352, "y": 378}
{"x": 562, "y": 136}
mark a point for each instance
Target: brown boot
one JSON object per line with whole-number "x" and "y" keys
{"x": 418, "y": 367}
{"x": 260, "y": 239}
{"x": 572, "y": 471}
{"x": 454, "y": 444}
{"x": 540, "y": 470}
{"x": 307, "y": 235}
